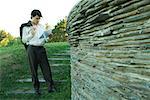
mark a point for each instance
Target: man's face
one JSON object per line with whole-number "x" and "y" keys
{"x": 36, "y": 19}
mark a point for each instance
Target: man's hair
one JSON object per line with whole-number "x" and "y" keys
{"x": 36, "y": 12}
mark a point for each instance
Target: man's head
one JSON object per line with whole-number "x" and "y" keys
{"x": 35, "y": 16}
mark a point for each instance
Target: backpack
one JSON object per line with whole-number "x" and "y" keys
{"x": 28, "y": 24}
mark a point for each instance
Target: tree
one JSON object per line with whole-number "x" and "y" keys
{"x": 59, "y": 31}
{"x": 5, "y": 38}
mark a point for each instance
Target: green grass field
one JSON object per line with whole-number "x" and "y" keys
{"x": 14, "y": 66}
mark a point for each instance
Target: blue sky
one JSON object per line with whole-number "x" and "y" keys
{"x": 15, "y": 12}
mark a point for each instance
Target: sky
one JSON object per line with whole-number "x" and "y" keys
{"x": 15, "y": 12}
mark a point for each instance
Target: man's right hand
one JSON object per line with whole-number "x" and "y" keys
{"x": 33, "y": 31}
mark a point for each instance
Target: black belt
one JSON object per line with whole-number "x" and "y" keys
{"x": 36, "y": 46}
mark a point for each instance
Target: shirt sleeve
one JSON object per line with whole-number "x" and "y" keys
{"x": 26, "y": 35}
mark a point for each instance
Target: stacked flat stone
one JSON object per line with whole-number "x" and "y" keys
{"x": 110, "y": 49}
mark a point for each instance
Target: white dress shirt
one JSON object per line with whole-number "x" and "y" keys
{"x": 35, "y": 40}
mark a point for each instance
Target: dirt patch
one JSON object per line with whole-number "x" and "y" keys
{"x": 16, "y": 66}
{"x": 5, "y": 56}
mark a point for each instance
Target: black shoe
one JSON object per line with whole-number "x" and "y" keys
{"x": 51, "y": 88}
{"x": 37, "y": 92}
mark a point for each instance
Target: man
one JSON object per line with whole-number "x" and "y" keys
{"x": 34, "y": 38}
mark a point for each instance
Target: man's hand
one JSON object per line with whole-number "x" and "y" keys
{"x": 33, "y": 31}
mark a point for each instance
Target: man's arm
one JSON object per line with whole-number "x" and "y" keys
{"x": 27, "y": 35}
{"x": 45, "y": 33}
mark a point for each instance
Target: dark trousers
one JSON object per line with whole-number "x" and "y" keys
{"x": 37, "y": 56}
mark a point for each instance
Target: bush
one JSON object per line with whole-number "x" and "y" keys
{"x": 5, "y": 38}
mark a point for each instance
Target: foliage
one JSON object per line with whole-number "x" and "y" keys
{"x": 59, "y": 32}
{"x": 5, "y": 38}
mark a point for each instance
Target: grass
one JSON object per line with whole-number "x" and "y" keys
{"x": 14, "y": 65}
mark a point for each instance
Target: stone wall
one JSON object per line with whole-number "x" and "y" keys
{"x": 110, "y": 50}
